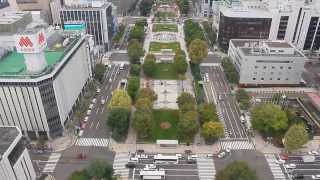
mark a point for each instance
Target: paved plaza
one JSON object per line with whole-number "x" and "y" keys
{"x": 167, "y": 92}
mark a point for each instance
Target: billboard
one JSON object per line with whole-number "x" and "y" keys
{"x": 74, "y": 27}
{"x": 31, "y": 42}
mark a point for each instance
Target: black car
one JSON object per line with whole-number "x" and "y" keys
{"x": 140, "y": 151}
{"x": 297, "y": 176}
{"x": 130, "y": 165}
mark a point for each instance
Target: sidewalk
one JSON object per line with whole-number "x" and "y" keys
{"x": 263, "y": 146}
{"x": 62, "y": 143}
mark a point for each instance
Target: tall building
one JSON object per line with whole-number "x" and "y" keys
{"x": 15, "y": 162}
{"x": 263, "y": 62}
{"x": 294, "y": 21}
{"x": 4, "y": 4}
{"x": 98, "y": 17}
{"x": 42, "y": 79}
{"x": 36, "y": 5}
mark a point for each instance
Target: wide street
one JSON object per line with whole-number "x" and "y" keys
{"x": 217, "y": 90}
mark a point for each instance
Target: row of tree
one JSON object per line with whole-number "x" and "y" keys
{"x": 97, "y": 169}
{"x": 143, "y": 116}
{"x": 271, "y": 121}
{"x": 229, "y": 70}
{"x": 243, "y": 98}
{"x": 211, "y": 33}
{"x": 188, "y": 125}
{"x": 136, "y": 39}
{"x": 237, "y": 170}
{"x": 211, "y": 128}
{"x": 119, "y": 115}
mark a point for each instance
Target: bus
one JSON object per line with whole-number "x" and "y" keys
{"x": 152, "y": 174}
{"x": 159, "y": 158}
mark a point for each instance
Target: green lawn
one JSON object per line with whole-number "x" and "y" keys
{"x": 165, "y": 27}
{"x": 165, "y": 71}
{"x": 157, "y": 46}
{"x": 162, "y": 116}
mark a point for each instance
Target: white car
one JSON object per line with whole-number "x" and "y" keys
{"x": 88, "y": 112}
{"x": 242, "y": 119}
{"x": 315, "y": 176}
{"x": 179, "y": 155}
{"x": 221, "y": 155}
{"x": 228, "y": 149}
{"x": 90, "y": 106}
{"x": 313, "y": 152}
{"x": 98, "y": 90}
{"x": 80, "y": 133}
{"x": 290, "y": 166}
{"x": 86, "y": 119}
{"x": 103, "y": 101}
{"x": 94, "y": 100}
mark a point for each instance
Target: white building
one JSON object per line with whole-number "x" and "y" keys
{"x": 260, "y": 62}
{"x": 15, "y": 162}
{"x": 295, "y": 21}
{"x": 42, "y": 80}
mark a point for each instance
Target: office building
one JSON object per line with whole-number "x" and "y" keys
{"x": 15, "y": 162}
{"x": 98, "y": 17}
{"x": 4, "y": 4}
{"x": 42, "y": 79}
{"x": 294, "y": 21}
{"x": 266, "y": 63}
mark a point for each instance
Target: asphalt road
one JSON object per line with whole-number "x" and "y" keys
{"x": 307, "y": 169}
{"x": 96, "y": 125}
{"x": 229, "y": 110}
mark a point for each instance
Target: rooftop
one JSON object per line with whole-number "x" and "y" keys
{"x": 278, "y": 44}
{"x": 11, "y": 16}
{"x": 243, "y": 12}
{"x": 8, "y": 135}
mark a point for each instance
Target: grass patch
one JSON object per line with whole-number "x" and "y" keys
{"x": 165, "y": 71}
{"x": 165, "y": 27}
{"x": 157, "y": 46}
{"x": 167, "y": 117}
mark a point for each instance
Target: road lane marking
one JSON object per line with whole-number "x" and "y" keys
{"x": 102, "y": 110}
{"x": 97, "y": 126}
{"x": 91, "y": 125}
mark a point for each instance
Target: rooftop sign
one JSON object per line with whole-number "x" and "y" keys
{"x": 31, "y": 42}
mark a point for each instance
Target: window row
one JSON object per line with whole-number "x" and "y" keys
{"x": 273, "y": 67}
{"x": 262, "y": 79}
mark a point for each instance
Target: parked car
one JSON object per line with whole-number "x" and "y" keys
{"x": 313, "y": 152}
{"x": 131, "y": 165}
{"x": 280, "y": 161}
{"x": 98, "y": 90}
{"x": 103, "y": 101}
{"x": 222, "y": 154}
{"x": 86, "y": 119}
{"x": 284, "y": 156}
{"x": 191, "y": 161}
{"x": 88, "y": 112}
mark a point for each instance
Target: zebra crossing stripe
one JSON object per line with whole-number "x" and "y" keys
{"x": 274, "y": 167}
{"x": 51, "y": 163}
{"x": 98, "y": 142}
{"x": 206, "y": 168}
{"x": 119, "y": 165}
{"x": 236, "y": 144}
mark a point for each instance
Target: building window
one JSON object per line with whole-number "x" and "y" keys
{"x": 253, "y": 78}
{"x": 281, "y": 67}
{"x": 272, "y": 67}
{"x": 262, "y": 79}
{"x": 26, "y": 1}
{"x": 289, "y": 67}
{"x": 287, "y": 79}
{"x": 256, "y": 67}
{"x": 255, "y": 73}
{"x": 271, "y": 79}
{"x": 271, "y": 72}
{"x": 264, "y": 67}
{"x": 279, "y": 79}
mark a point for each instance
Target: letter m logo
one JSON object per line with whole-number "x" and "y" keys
{"x": 25, "y": 42}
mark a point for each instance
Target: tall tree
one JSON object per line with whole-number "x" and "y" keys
{"x": 99, "y": 72}
{"x": 198, "y": 51}
{"x": 269, "y": 119}
{"x": 230, "y": 71}
{"x": 145, "y": 7}
{"x": 135, "y": 70}
{"x": 243, "y": 99}
{"x": 133, "y": 86}
{"x": 144, "y": 104}
{"x": 120, "y": 99}
{"x": 100, "y": 169}
{"x": 237, "y": 170}
{"x": 135, "y": 51}
{"x": 187, "y": 126}
{"x": 180, "y": 62}
{"x": 147, "y": 93}
{"x": 79, "y": 175}
{"x": 142, "y": 123}
{"x": 149, "y": 64}
{"x": 118, "y": 121}
{"x": 137, "y": 32}
{"x": 295, "y": 137}
{"x": 186, "y": 102}
{"x": 207, "y": 112}
{"x": 212, "y": 131}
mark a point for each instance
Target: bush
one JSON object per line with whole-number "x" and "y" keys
{"x": 207, "y": 112}
{"x": 212, "y": 131}
{"x": 192, "y": 31}
{"x": 211, "y": 34}
{"x": 243, "y": 98}
{"x": 120, "y": 99}
{"x": 236, "y": 170}
{"x": 135, "y": 51}
{"x": 99, "y": 72}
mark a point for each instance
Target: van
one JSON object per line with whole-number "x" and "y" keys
{"x": 121, "y": 66}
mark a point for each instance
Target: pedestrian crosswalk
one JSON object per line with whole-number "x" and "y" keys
{"x": 119, "y": 165}
{"x": 206, "y": 168}
{"x": 274, "y": 167}
{"x": 98, "y": 142}
{"x": 221, "y": 118}
{"x": 236, "y": 144}
{"x": 51, "y": 163}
